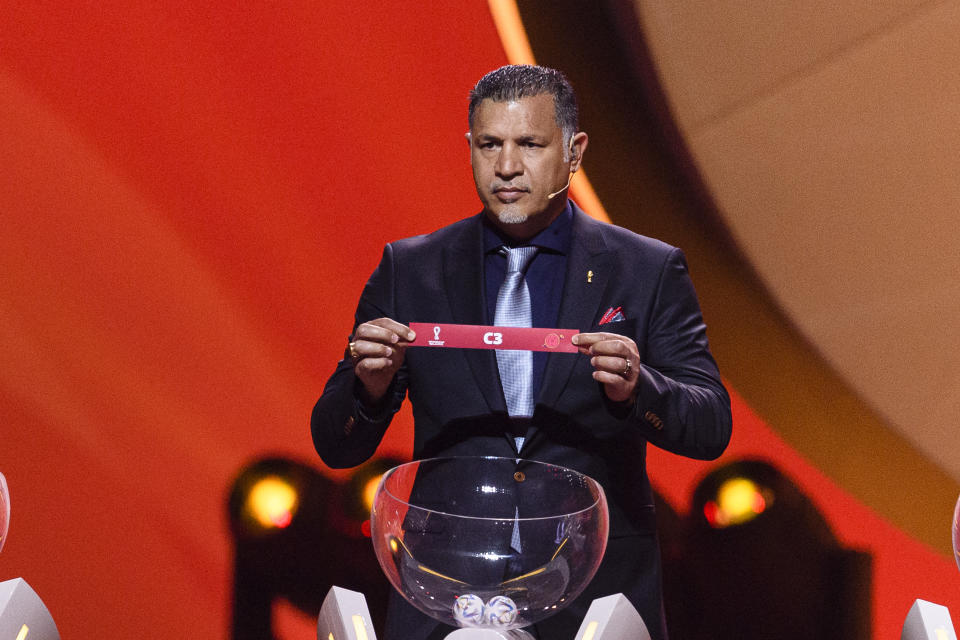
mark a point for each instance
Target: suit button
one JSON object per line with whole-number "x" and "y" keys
{"x": 653, "y": 419}
{"x": 519, "y": 476}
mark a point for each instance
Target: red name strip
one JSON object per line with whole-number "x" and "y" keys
{"x": 471, "y": 336}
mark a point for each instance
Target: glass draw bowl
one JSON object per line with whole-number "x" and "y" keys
{"x": 4, "y": 511}
{"x": 488, "y": 542}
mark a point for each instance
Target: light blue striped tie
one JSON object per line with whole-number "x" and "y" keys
{"x": 516, "y": 367}
{"x": 513, "y": 310}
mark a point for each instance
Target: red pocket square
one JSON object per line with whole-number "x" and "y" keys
{"x": 612, "y": 315}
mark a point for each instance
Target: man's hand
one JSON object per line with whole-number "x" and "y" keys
{"x": 377, "y": 350}
{"x": 615, "y": 360}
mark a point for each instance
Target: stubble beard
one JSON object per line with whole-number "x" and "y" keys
{"x": 507, "y": 216}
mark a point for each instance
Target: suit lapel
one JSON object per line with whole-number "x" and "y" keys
{"x": 464, "y": 284}
{"x": 589, "y": 267}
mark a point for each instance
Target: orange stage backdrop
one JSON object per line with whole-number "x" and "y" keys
{"x": 192, "y": 197}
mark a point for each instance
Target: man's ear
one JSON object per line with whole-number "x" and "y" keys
{"x": 469, "y": 144}
{"x": 578, "y": 145}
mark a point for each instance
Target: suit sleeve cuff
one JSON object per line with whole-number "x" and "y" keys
{"x": 373, "y": 412}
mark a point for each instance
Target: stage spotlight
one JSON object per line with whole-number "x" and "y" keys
{"x": 296, "y": 534}
{"x": 272, "y": 502}
{"x": 363, "y": 485}
{"x": 759, "y": 552}
{"x": 738, "y": 500}
{"x": 267, "y": 495}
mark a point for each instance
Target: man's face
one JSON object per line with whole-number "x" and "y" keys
{"x": 517, "y": 154}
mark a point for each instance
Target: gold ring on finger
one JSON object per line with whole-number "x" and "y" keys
{"x": 627, "y": 367}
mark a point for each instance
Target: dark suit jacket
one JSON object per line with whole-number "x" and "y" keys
{"x": 458, "y": 404}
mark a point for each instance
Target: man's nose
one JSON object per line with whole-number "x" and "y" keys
{"x": 509, "y": 163}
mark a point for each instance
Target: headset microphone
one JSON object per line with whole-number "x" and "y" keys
{"x": 551, "y": 196}
{"x": 569, "y": 178}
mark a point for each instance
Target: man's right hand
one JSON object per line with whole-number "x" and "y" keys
{"x": 377, "y": 350}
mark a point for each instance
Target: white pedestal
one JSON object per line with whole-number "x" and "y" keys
{"x": 23, "y": 614}
{"x": 488, "y": 634}
{"x": 344, "y": 616}
{"x": 928, "y": 621}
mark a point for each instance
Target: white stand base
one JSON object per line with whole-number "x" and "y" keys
{"x": 344, "y": 616}
{"x": 928, "y": 621}
{"x": 612, "y": 618}
{"x": 23, "y": 614}
{"x": 488, "y": 634}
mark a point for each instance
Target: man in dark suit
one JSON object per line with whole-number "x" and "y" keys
{"x": 643, "y": 373}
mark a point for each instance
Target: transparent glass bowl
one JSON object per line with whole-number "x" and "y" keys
{"x": 956, "y": 533}
{"x": 488, "y": 542}
{"x": 4, "y": 511}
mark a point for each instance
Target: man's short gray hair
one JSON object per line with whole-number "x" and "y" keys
{"x": 516, "y": 81}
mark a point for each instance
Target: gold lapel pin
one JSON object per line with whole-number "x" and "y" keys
{"x": 589, "y": 276}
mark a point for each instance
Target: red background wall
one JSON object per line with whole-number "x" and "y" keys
{"x": 192, "y": 196}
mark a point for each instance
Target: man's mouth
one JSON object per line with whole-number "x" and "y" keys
{"x": 509, "y": 194}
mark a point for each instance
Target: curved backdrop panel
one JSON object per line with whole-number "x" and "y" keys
{"x": 193, "y": 196}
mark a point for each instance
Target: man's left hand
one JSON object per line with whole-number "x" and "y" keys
{"x": 615, "y": 361}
